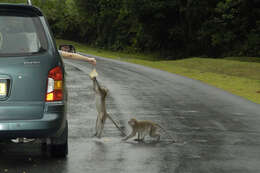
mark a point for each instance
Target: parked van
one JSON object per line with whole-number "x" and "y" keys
{"x": 33, "y": 93}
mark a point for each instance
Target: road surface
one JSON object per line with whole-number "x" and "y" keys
{"x": 216, "y": 132}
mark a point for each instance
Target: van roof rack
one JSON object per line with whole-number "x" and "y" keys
{"x": 29, "y": 2}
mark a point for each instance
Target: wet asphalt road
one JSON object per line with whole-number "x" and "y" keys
{"x": 217, "y": 132}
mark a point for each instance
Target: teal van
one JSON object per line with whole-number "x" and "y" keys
{"x": 33, "y": 94}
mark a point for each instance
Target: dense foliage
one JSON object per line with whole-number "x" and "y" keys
{"x": 173, "y": 28}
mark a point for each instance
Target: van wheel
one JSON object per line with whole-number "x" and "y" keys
{"x": 59, "y": 146}
{"x": 44, "y": 146}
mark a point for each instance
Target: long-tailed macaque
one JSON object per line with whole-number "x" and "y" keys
{"x": 144, "y": 128}
{"x": 101, "y": 93}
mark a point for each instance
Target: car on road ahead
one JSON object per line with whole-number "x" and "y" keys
{"x": 32, "y": 84}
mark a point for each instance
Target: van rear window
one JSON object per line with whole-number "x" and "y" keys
{"x": 21, "y": 34}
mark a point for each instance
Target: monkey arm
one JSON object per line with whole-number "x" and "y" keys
{"x": 130, "y": 136}
{"x": 139, "y": 136}
{"x": 95, "y": 86}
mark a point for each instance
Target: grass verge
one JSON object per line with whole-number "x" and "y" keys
{"x": 237, "y": 75}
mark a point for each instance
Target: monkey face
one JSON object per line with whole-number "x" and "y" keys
{"x": 132, "y": 122}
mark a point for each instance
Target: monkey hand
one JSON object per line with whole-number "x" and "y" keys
{"x": 93, "y": 74}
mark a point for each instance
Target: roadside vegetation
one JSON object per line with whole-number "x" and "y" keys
{"x": 237, "y": 75}
{"x": 173, "y": 29}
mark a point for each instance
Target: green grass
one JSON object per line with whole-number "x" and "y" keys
{"x": 237, "y": 75}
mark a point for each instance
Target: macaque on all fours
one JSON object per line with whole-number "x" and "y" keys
{"x": 144, "y": 128}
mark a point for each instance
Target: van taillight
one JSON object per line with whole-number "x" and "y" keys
{"x": 55, "y": 85}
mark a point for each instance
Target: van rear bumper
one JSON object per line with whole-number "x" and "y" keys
{"x": 50, "y": 125}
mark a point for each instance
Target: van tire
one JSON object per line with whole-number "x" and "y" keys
{"x": 60, "y": 149}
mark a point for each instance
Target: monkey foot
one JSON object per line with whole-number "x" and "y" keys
{"x": 138, "y": 140}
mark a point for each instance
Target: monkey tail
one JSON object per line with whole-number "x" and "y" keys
{"x": 121, "y": 130}
{"x": 167, "y": 133}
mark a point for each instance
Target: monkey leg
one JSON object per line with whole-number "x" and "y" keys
{"x": 96, "y": 128}
{"x": 101, "y": 126}
{"x": 100, "y": 129}
{"x": 130, "y": 136}
{"x": 140, "y": 137}
{"x": 154, "y": 134}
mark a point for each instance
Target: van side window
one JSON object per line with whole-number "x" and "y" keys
{"x": 21, "y": 34}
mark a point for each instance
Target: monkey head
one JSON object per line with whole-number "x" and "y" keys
{"x": 104, "y": 91}
{"x": 132, "y": 122}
